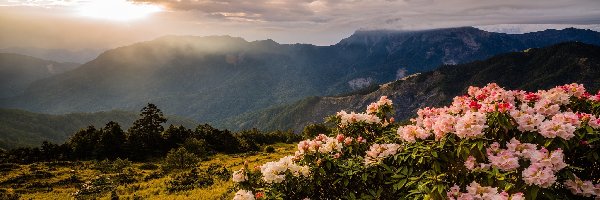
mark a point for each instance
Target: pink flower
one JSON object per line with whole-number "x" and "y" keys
{"x": 546, "y": 107}
{"x": 574, "y": 89}
{"x": 409, "y": 133}
{"x": 582, "y": 188}
{"x": 443, "y": 125}
{"x": 557, "y": 127}
{"x": 360, "y": 139}
{"x": 517, "y": 196}
{"x": 526, "y": 121}
{"x": 470, "y": 163}
{"x": 378, "y": 152}
{"x": 504, "y": 160}
{"x": 536, "y": 174}
{"x": 340, "y": 137}
{"x": 503, "y": 107}
{"x": 594, "y": 122}
{"x": 348, "y": 141}
{"x": 531, "y": 97}
{"x": 471, "y": 125}
{"x": 474, "y": 105}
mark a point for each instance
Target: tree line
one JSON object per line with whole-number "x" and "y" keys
{"x": 146, "y": 139}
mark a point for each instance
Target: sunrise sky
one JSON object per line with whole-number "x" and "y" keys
{"x": 81, "y": 24}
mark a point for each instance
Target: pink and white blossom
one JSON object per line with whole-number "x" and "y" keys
{"x": 378, "y": 152}
{"x": 471, "y": 125}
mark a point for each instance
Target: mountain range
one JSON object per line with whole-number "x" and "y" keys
{"x": 533, "y": 69}
{"x": 217, "y": 79}
{"x": 58, "y": 55}
{"x": 19, "y": 71}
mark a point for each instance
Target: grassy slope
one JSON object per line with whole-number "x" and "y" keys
{"x": 153, "y": 189}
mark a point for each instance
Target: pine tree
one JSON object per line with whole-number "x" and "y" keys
{"x": 144, "y": 136}
{"x": 112, "y": 141}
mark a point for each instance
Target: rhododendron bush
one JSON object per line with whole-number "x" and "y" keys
{"x": 489, "y": 144}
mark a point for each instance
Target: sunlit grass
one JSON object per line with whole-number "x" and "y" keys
{"x": 151, "y": 189}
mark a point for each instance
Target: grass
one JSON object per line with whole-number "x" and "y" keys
{"x": 55, "y": 181}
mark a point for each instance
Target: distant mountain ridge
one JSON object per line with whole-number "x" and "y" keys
{"x": 213, "y": 78}
{"x": 17, "y": 72}
{"x": 531, "y": 70}
{"x": 59, "y": 55}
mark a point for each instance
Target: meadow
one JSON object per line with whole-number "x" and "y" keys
{"x": 209, "y": 179}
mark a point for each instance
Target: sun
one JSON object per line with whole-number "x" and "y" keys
{"x": 118, "y": 10}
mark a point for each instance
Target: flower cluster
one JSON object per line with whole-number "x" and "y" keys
{"x": 533, "y": 112}
{"x": 583, "y": 188}
{"x": 476, "y": 191}
{"x": 470, "y": 125}
{"x": 378, "y": 152}
{"x": 517, "y": 136}
{"x": 411, "y": 132}
{"x": 275, "y": 172}
{"x": 352, "y": 117}
{"x": 374, "y": 107}
{"x": 541, "y": 171}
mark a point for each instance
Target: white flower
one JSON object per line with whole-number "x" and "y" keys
{"x": 274, "y": 172}
{"x": 378, "y": 152}
{"x": 240, "y": 176}
{"x": 243, "y": 195}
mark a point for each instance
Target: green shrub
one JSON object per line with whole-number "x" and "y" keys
{"x": 6, "y": 167}
{"x": 94, "y": 188}
{"x": 219, "y": 171}
{"x": 5, "y": 195}
{"x": 270, "y": 149}
{"x": 148, "y": 166}
{"x": 71, "y": 180}
{"x": 153, "y": 175}
{"x": 126, "y": 177}
{"x": 189, "y": 180}
{"x": 197, "y": 147}
{"x": 179, "y": 159}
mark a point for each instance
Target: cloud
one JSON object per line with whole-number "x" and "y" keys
{"x": 376, "y": 13}
{"x": 321, "y": 22}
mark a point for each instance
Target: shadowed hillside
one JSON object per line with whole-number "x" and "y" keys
{"x": 529, "y": 70}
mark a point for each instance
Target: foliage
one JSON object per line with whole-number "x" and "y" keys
{"x": 117, "y": 165}
{"x": 494, "y": 143}
{"x": 19, "y": 128}
{"x": 61, "y": 179}
{"x": 145, "y": 136}
{"x": 94, "y": 188}
{"x": 179, "y": 159}
{"x": 269, "y": 149}
{"x": 219, "y": 171}
{"x": 312, "y": 130}
{"x": 189, "y": 180}
{"x": 197, "y": 147}
{"x": 148, "y": 166}
{"x": 112, "y": 143}
{"x": 9, "y": 195}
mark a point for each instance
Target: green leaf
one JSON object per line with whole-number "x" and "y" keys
{"x": 532, "y": 193}
{"x": 589, "y": 129}
{"x": 548, "y": 142}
